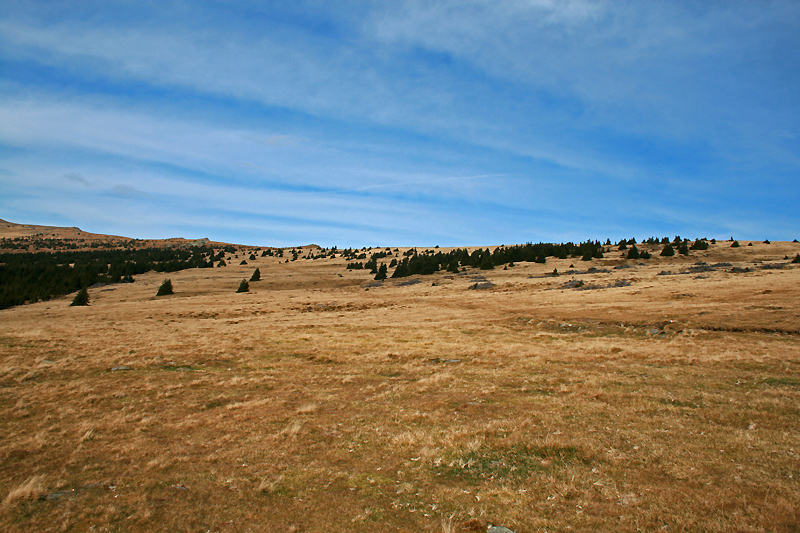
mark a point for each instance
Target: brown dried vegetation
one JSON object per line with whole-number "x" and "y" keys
{"x": 313, "y": 404}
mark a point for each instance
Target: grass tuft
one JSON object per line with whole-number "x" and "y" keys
{"x": 512, "y": 463}
{"x": 30, "y": 489}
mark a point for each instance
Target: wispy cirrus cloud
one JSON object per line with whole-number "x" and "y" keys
{"x": 524, "y": 114}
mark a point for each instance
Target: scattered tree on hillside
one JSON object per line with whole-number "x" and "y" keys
{"x": 256, "y": 275}
{"x": 668, "y": 250}
{"x": 735, "y": 244}
{"x": 382, "y": 272}
{"x": 82, "y": 298}
{"x": 243, "y": 286}
{"x": 165, "y": 288}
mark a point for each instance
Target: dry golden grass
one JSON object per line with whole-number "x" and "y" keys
{"x": 33, "y": 487}
{"x": 313, "y": 404}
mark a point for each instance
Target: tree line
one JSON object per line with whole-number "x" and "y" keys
{"x": 427, "y": 262}
{"x": 431, "y": 261}
{"x": 28, "y": 277}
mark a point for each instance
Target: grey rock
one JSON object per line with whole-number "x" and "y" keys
{"x": 573, "y": 284}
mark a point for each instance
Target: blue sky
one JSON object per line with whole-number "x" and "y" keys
{"x": 370, "y": 123}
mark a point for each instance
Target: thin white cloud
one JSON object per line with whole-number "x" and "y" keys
{"x": 522, "y": 102}
{"x": 77, "y": 177}
{"x": 339, "y": 83}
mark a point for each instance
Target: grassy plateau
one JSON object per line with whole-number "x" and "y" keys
{"x": 656, "y": 395}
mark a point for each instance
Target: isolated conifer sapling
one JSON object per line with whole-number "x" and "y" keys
{"x": 382, "y": 272}
{"x": 165, "y": 288}
{"x": 243, "y": 286}
{"x": 82, "y": 298}
{"x": 256, "y": 275}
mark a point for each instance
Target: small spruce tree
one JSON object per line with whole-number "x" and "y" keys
{"x": 82, "y": 298}
{"x": 633, "y": 253}
{"x": 382, "y": 272}
{"x": 165, "y": 288}
{"x": 668, "y": 251}
{"x": 735, "y": 244}
{"x": 243, "y": 286}
{"x": 256, "y": 275}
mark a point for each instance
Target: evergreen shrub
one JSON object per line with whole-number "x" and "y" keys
{"x": 165, "y": 288}
{"x": 82, "y": 298}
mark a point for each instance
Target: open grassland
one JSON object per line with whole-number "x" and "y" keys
{"x": 324, "y": 401}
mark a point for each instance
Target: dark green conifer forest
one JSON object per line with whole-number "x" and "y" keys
{"x": 28, "y": 277}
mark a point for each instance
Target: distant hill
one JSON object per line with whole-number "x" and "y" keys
{"x": 35, "y": 238}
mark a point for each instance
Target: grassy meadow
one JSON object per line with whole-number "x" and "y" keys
{"x": 658, "y": 395}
